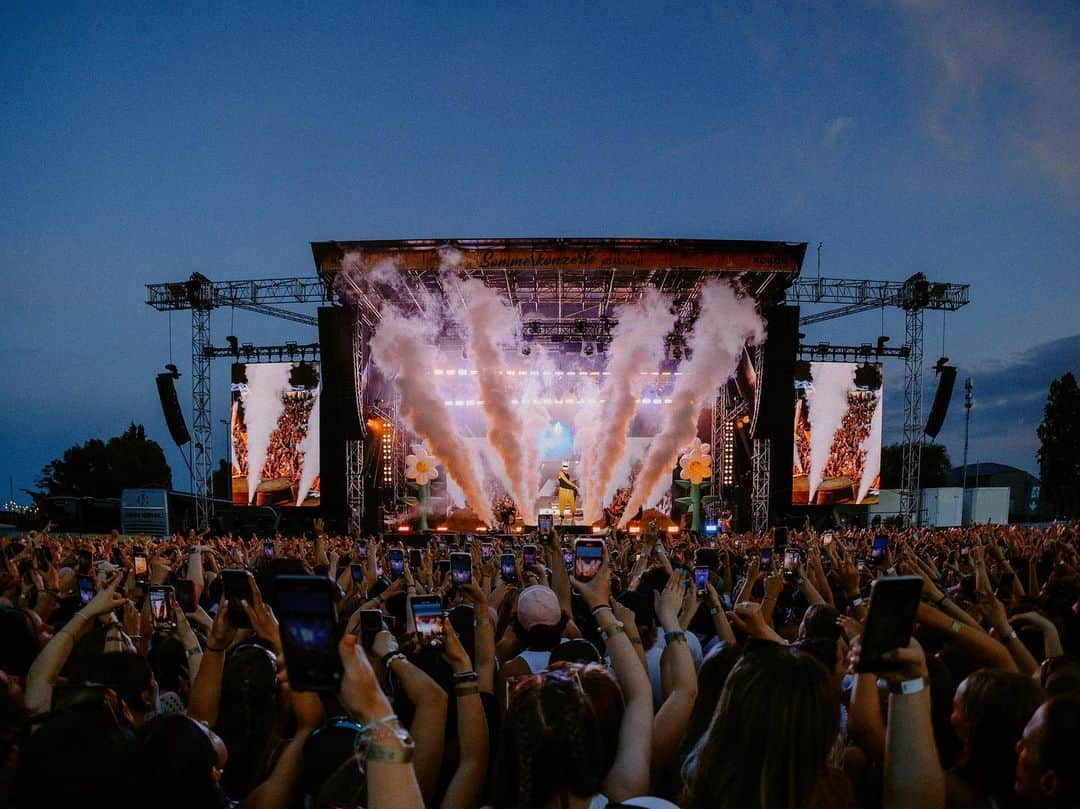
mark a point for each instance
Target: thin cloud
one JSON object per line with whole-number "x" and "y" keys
{"x": 998, "y": 72}
{"x": 835, "y": 128}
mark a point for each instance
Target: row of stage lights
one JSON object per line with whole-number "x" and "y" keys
{"x": 473, "y": 372}
{"x": 517, "y": 529}
{"x": 546, "y": 401}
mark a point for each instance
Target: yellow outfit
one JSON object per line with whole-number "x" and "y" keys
{"x": 567, "y": 496}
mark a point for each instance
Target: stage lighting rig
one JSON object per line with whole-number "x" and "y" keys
{"x": 173, "y": 371}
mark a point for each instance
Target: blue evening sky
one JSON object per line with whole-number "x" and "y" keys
{"x": 143, "y": 141}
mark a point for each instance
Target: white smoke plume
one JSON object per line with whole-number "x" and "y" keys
{"x": 872, "y": 446}
{"x": 537, "y": 419}
{"x": 263, "y": 407}
{"x": 492, "y": 323}
{"x": 309, "y": 448}
{"x": 723, "y": 326}
{"x": 637, "y": 345}
{"x": 828, "y": 401}
{"x": 403, "y": 348}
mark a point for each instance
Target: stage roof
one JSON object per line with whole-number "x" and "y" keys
{"x": 560, "y": 279}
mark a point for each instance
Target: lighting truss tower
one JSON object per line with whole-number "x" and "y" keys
{"x": 969, "y": 400}
{"x": 354, "y": 450}
{"x": 910, "y": 490}
{"x": 202, "y": 296}
{"x": 759, "y": 491}
{"x": 914, "y": 296}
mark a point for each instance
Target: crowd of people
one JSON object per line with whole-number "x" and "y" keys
{"x": 847, "y": 454}
{"x": 691, "y": 670}
{"x": 284, "y": 458}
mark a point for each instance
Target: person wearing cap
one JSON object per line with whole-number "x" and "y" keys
{"x": 568, "y": 492}
{"x": 537, "y": 629}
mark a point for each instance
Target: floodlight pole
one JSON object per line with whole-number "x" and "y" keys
{"x": 969, "y": 400}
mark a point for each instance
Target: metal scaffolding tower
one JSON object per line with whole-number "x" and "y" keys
{"x": 202, "y": 296}
{"x": 914, "y": 295}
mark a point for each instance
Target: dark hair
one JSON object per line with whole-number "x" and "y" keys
{"x": 326, "y": 750}
{"x": 577, "y": 650}
{"x": 248, "y": 715}
{"x": 175, "y": 763}
{"x": 96, "y": 753}
{"x": 819, "y": 621}
{"x": 559, "y": 737}
{"x": 18, "y": 647}
{"x": 1057, "y": 749}
{"x": 768, "y": 744}
{"x": 996, "y": 706}
{"x": 127, "y": 673}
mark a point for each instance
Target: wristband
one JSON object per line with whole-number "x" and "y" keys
{"x": 907, "y": 687}
{"x": 955, "y": 627}
{"x": 464, "y": 677}
{"x": 479, "y": 622}
{"x": 714, "y": 610}
{"x": 613, "y": 630}
{"x": 466, "y": 689}
{"x": 857, "y": 602}
{"x": 210, "y": 648}
{"x": 675, "y": 635}
{"x": 1012, "y": 635}
{"x": 599, "y": 607}
{"x": 390, "y": 657}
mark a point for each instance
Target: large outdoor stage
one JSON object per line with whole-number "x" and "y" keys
{"x": 505, "y": 359}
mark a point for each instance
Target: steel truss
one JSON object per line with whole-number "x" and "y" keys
{"x": 354, "y": 450}
{"x": 914, "y": 295}
{"x": 289, "y": 352}
{"x": 826, "y": 352}
{"x": 202, "y": 296}
{"x": 759, "y": 487}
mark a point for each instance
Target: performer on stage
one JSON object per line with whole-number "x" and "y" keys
{"x": 568, "y": 491}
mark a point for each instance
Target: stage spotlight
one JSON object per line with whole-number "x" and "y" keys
{"x": 172, "y": 370}
{"x": 588, "y": 349}
{"x": 234, "y": 345}
{"x": 526, "y": 350}
{"x": 634, "y": 529}
{"x": 711, "y": 528}
{"x": 403, "y": 529}
{"x": 673, "y": 529}
{"x": 881, "y": 341}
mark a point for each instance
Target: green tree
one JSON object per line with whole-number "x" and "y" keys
{"x": 1059, "y": 455}
{"x": 103, "y": 468}
{"x": 933, "y": 469}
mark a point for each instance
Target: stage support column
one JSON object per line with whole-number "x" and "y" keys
{"x": 910, "y": 491}
{"x": 759, "y": 487}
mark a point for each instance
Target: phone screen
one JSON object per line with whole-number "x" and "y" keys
{"x": 780, "y": 537}
{"x": 397, "y": 562}
{"x": 766, "y": 559}
{"x": 588, "y": 556}
{"x": 237, "y": 588}
{"x": 792, "y": 560}
{"x": 826, "y": 538}
{"x": 415, "y": 558}
{"x": 361, "y": 549}
{"x": 185, "y": 594}
{"x": 507, "y": 566}
{"x": 701, "y": 580}
{"x": 370, "y": 625}
{"x": 543, "y": 523}
{"x": 268, "y": 549}
{"x": 877, "y": 553}
{"x": 357, "y": 572}
{"x": 461, "y": 569}
{"x": 86, "y": 589}
{"x": 889, "y": 621}
{"x": 140, "y": 567}
{"x": 485, "y": 551}
{"x": 161, "y": 607}
{"x": 529, "y": 555}
{"x": 308, "y": 622}
{"x": 428, "y": 617}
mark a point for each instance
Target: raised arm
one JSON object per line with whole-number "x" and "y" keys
{"x": 468, "y": 780}
{"x": 629, "y": 775}
{"x": 670, "y": 721}
{"x": 47, "y": 665}
{"x": 205, "y": 699}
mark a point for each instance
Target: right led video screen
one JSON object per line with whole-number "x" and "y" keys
{"x": 838, "y": 416}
